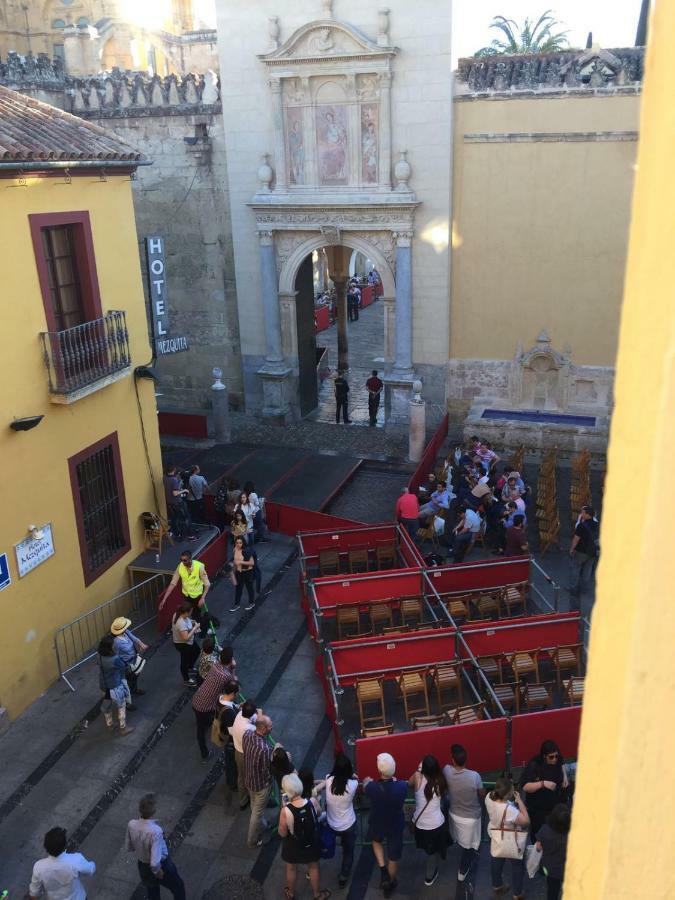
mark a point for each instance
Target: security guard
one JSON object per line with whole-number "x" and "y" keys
{"x": 195, "y": 585}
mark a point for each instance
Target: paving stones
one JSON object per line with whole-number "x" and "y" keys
{"x": 235, "y": 887}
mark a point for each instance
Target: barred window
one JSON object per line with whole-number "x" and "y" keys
{"x": 100, "y": 507}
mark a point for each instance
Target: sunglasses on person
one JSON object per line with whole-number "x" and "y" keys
{"x": 552, "y": 755}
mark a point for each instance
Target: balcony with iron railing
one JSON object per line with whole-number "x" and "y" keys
{"x": 87, "y": 357}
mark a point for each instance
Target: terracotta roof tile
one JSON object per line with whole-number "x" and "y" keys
{"x": 31, "y": 131}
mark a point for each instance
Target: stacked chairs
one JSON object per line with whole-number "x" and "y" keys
{"x": 548, "y": 517}
{"x": 518, "y": 459}
{"x": 580, "y": 487}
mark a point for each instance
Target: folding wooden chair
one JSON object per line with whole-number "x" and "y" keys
{"x": 155, "y": 530}
{"x": 428, "y": 533}
{"x": 573, "y": 690}
{"x": 329, "y": 562}
{"x": 357, "y": 559}
{"x": 423, "y": 723}
{"x": 348, "y": 620}
{"x": 369, "y": 691}
{"x": 536, "y": 695}
{"x": 377, "y": 731}
{"x": 414, "y": 684}
{"x": 396, "y": 629}
{"x": 448, "y": 678}
{"x": 491, "y": 666}
{"x": 566, "y": 658}
{"x": 463, "y": 714}
{"x": 524, "y": 662}
{"x": 506, "y": 694}
{"x": 381, "y": 614}
{"x": 513, "y": 596}
{"x": 458, "y": 605}
{"x": 488, "y": 604}
{"x": 411, "y": 609}
{"x": 386, "y": 556}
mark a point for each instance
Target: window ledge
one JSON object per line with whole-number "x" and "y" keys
{"x": 87, "y": 389}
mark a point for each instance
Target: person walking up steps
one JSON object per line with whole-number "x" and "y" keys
{"x": 195, "y": 585}
{"x": 146, "y": 839}
{"x": 58, "y": 874}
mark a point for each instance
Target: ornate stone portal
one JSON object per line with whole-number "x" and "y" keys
{"x": 331, "y": 184}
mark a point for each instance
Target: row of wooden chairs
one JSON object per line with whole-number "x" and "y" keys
{"x": 536, "y": 694}
{"x": 502, "y": 602}
{"x": 358, "y": 559}
{"x": 380, "y": 616}
{"x": 460, "y": 715}
{"x": 548, "y": 517}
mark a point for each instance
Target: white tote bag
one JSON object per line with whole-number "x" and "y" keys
{"x": 507, "y": 842}
{"x": 532, "y": 859}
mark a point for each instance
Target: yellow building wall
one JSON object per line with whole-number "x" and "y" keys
{"x": 36, "y": 482}
{"x": 540, "y": 228}
{"x": 623, "y": 835}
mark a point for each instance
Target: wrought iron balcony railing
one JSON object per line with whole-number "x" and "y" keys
{"x": 80, "y": 356}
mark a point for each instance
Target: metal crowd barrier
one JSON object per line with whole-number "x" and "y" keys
{"x": 76, "y": 642}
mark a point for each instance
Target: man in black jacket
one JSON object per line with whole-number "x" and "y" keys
{"x": 584, "y": 552}
{"x": 341, "y": 391}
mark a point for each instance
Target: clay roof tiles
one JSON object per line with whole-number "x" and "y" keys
{"x": 31, "y": 131}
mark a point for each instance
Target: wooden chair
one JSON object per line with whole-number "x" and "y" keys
{"x": 513, "y": 596}
{"x": 448, "y": 678}
{"x": 573, "y": 690}
{"x": 357, "y": 559}
{"x": 329, "y": 562}
{"x": 378, "y": 731}
{"x": 491, "y": 666}
{"x": 396, "y": 629}
{"x": 386, "y": 556}
{"x": 458, "y": 606}
{"x": 566, "y": 658}
{"x": 423, "y": 723}
{"x": 155, "y": 530}
{"x": 524, "y": 662}
{"x": 488, "y": 604}
{"x": 535, "y": 695}
{"x": 461, "y": 715}
{"x": 428, "y": 533}
{"x": 414, "y": 684}
{"x": 348, "y": 620}
{"x": 506, "y": 694}
{"x": 369, "y": 691}
{"x": 411, "y": 609}
{"x": 381, "y": 614}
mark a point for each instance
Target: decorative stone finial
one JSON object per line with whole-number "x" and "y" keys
{"x": 274, "y": 30}
{"x": 265, "y": 174}
{"x": 402, "y": 172}
{"x": 417, "y": 391}
{"x": 327, "y": 6}
{"x": 543, "y": 338}
{"x": 383, "y": 27}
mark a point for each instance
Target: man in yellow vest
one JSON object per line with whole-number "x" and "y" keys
{"x": 195, "y": 585}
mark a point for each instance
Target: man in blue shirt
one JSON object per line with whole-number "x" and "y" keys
{"x": 386, "y": 822}
{"x": 145, "y": 838}
{"x": 438, "y": 502}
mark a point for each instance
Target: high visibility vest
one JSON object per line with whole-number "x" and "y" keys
{"x": 191, "y": 581}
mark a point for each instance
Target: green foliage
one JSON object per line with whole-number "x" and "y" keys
{"x": 530, "y": 37}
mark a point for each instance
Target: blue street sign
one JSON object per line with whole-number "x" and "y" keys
{"x": 5, "y": 577}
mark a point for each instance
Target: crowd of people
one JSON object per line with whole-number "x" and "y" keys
{"x": 527, "y": 828}
{"x": 328, "y": 297}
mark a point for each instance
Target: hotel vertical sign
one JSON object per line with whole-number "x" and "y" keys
{"x": 165, "y": 342}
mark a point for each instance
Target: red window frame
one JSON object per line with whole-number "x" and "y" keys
{"x": 111, "y": 440}
{"x": 83, "y": 245}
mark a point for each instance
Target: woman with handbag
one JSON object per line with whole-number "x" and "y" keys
{"x": 507, "y": 827}
{"x": 113, "y": 683}
{"x": 428, "y": 822}
{"x": 544, "y": 783}
{"x": 183, "y": 631}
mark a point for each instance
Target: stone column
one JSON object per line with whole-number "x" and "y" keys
{"x": 338, "y": 268}
{"x": 221, "y": 409}
{"x": 279, "y": 137}
{"x": 403, "y": 358}
{"x": 385, "y": 131}
{"x": 417, "y": 427}
{"x": 274, "y": 373}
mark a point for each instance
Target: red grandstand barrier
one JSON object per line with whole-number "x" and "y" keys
{"x": 375, "y": 655}
{"x": 192, "y": 425}
{"x": 331, "y": 591}
{"x": 345, "y": 536}
{"x": 485, "y": 574}
{"x": 507, "y": 636}
{"x": 214, "y": 556}
{"x": 528, "y": 730}
{"x": 484, "y": 741}
{"x": 291, "y": 520}
{"x": 428, "y": 462}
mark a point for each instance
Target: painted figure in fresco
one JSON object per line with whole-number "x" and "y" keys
{"x": 297, "y": 151}
{"x": 369, "y": 153}
{"x": 333, "y": 149}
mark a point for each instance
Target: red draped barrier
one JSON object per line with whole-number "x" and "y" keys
{"x": 388, "y": 656}
{"x": 529, "y": 730}
{"x": 366, "y": 296}
{"x": 291, "y": 520}
{"x": 365, "y": 588}
{"x": 321, "y": 318}
{"x": 214, "y": 556}
{"x": 428, "y": 462}
{"x": 521, "y": 634}
{"x": 193, "y": 425}
{"x": 480, "y": 575}
{"x": 484, "y": 741}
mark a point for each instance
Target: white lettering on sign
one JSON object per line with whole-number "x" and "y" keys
{"x": 335, "y": 537}
{"x": 172, "y": 345}
{"x": 437, "y": 574}
{"x": 490, "y": 633}
{"x": 30, "y": 553}
{"x": 391, "y": 646}
{"x": 161, "y": 328}
{"x": 346, "y": 583}
{"x": 155, "y": 245}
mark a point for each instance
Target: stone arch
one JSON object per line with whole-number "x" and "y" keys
{"x": 354, "y": 241}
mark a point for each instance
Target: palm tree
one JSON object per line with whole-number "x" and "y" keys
{"x": 527, "y": 38}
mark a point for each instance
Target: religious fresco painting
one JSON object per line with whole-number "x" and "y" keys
{"x": 296, "y": 145}
{"x": 332, "y": 144}
{"x": 369, "y": 143}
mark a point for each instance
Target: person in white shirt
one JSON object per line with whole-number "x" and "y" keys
{"x": 468, "y": 526}
{"x": 261, "y": 532}
{"x": 57, "y": 876}
{"x": 341, "y": 787}
{"x": 507, "y": 812}
{"x": 244, "y": 721}
{"x": 431, "y": 833}
{"x": 198, "y": 487}
{"x": 465, "y": 790}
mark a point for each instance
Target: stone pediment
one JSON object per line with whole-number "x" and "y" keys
{"x": 326, "y": 39}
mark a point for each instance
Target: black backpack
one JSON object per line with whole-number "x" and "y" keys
{"x": 305, "y": 825}
{"x": 593, "y": 529}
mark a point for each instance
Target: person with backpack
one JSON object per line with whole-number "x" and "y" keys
{"x": 584, "y": 553}
{"x": 299, "y": 832}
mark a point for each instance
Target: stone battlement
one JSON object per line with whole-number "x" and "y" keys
{"x": 570, "y": 71}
